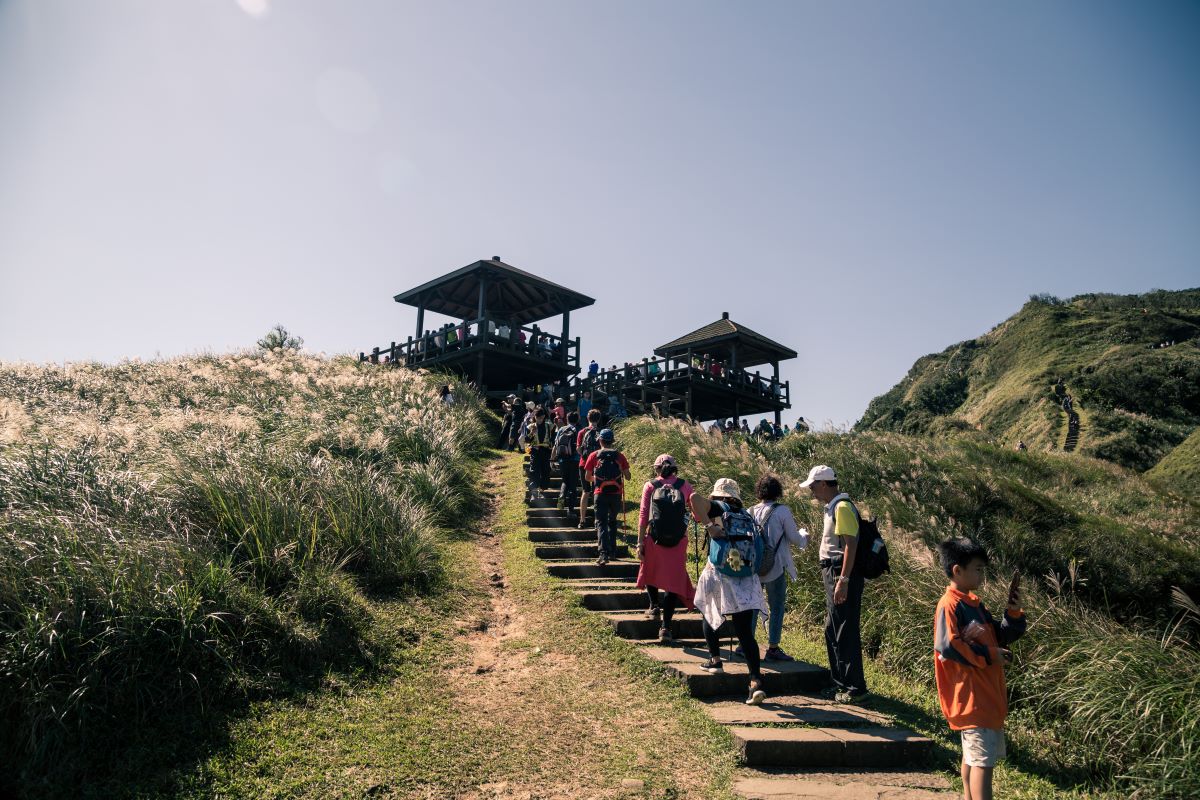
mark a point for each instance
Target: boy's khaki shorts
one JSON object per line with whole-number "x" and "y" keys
{"x": 983, "y": 747}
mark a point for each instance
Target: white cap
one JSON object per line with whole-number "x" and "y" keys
{"x": 819, "y": 473}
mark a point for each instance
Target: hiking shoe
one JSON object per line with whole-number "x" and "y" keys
{"x": 653, "y": 612}
{"x": 757, "y": 695}
{"x": 776, "y": 654}
{"x": 664, "y": 636}
{"x": 713, "y": 665}
{"x": 855, "y": 697}
{"x": 582, "y": 525}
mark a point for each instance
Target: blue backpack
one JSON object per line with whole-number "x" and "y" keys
{"x": 740, "y": 551}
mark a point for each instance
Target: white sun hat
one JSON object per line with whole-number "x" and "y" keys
{"x": 819, "y": 473}
{"x": 726, "y": 487}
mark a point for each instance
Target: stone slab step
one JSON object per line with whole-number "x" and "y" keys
{"x": 788, "y": 678}
{"x": 590, "y": 569}
{"x": 623, "y": 598}
{"x": 635, "y": 626}
{"x": 567, "y": 535}
{"x": 831, "y": 747}
{"x": 798, "y": 709}
{"x": 548, "y": 511}
{"x": 574, "y": 552}
{"x": 546, "y": 518}
{"x": 859, "y": 786}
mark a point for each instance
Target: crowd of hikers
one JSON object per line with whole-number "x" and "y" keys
{"x": 748, "y": 563}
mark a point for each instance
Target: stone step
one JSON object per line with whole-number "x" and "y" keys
{"x": 798, "y": 709}
{"x": 565, "y": 534}
{"x": 574, "y": 552}
{"x": 590, "y": 569}
{"x": 831, "y": 747}
{"x": 624, "y": 598}
{"x": 539, "y": 518}
{"x": 685, "y": 625}
{"x": 786, "y": 678}
{"x": 842, "y": 785}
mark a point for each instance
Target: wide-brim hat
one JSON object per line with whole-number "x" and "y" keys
{"x": 819, "y": 473}
{"x": 726, "y": 487}
{"x": 529, "y": 405}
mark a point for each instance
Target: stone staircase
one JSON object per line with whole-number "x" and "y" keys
{"x": 797, "y": 744}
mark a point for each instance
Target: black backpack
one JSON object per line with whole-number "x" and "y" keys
{"x": 608, "y": 472}
{"x": 590, "y": 443}
{"x": 871, "y": 557}
{"x": 564, "y": 443}
{"x": 668, "y": 513}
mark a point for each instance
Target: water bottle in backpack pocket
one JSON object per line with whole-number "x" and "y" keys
{"x": 739, "y": 552}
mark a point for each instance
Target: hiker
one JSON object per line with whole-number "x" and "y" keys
{"x": 607, "y": 470}
{"x": 729, "y": 585}
{"x": 593, "y": 370}
{"x": 780, "y": 532}
{"x": 970, "y": 653}
{"x": 662, "y": 544}
{"x": 566, "y": 453}
{"x": 745, "y": 427}
{"x": 447, "y": 396}
{"x": 843, "y": 590}
{"x": 507, "y": 406}
{"x": 530, "y": 406}
{"x": 585, "y": 403}
{"x": 540, "y": 438}
{"x": 560, "y": 412}
{"x": 586, "y": 443}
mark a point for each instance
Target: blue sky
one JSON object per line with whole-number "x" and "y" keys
{"x": 866, "y": 182}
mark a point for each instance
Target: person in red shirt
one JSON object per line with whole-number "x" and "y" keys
{"x": 586, "y": 443}
{"x": 663, "y": 543}
{"x": 607, "y": 470}
{"x": 970, "y": 653}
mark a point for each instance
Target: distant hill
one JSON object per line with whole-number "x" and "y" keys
{"x": 1137, "y": 401}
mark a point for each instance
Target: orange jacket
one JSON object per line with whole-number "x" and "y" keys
{"x": 967, "y": 662}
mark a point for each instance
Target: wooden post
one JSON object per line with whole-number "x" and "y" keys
{"x": 482, "y": 296}
{"x": 375, "y": 355}
{"x": 737, "y": 411}
{"x": 392, "y": 353}
{"x": 688, "y": 401}
{"x": 566, "y": 334}
{"x": 420, "y": 318}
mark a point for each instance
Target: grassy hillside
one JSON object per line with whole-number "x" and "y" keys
{"x": 180, "y": 536}
{"x": 1106, "y": 690}
{"x": 1137, "y": 401}
{"x": 1180, "y": 470}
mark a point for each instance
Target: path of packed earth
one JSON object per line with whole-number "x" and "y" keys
{"x": 796, "y": 744}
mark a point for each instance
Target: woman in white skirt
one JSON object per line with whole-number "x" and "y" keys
{"x": 719, "y": 595}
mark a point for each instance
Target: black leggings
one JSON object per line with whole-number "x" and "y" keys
{"x": 667, "y": 606}
{"x": 743, "y": 626}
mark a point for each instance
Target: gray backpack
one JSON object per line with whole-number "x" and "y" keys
{"x": 768, "y": 557}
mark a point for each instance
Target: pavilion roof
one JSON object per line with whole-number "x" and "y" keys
{"x": 511, "y": 294}
{"x": 718, "y": 339}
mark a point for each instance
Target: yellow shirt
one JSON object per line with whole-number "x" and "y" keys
{"x": 840, "y": 520}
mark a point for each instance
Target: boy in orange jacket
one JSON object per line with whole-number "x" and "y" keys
{"x": 970, "y": 653}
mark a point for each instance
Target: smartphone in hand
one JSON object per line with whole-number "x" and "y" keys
{"x": 1014, "y": 590}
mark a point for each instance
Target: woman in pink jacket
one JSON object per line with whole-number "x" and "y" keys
{"x": 662, "y": 544}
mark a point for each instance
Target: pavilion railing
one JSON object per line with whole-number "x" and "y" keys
{"x": 659, "y": 372}
{"x": 465, "y": 337}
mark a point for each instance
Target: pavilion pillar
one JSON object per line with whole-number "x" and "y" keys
{"x": 737, "y": 411}
{"x": 420, "y": 319}
{"x": 482, "y": 297}
{"x": 733, "y": 356}
{"x": 566, "y": 335}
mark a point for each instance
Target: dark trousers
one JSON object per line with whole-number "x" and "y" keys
{"x": 539, "y": 468}
{"x": 743, "y": 627}
{"x": 504, "y": 433}
{"x": 843, "y": 638}
{"x": 608, "y": 506}
{"x": 666, "y": 604}
{"x": 570, "y": 482}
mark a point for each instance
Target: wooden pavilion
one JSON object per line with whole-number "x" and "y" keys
{"x": 494, "y": 339}
{"x": 704, "y": 375}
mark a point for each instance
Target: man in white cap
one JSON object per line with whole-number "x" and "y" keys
{"x": 843, "y": 589}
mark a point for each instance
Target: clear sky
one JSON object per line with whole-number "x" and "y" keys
{"x": 865, "y": 182}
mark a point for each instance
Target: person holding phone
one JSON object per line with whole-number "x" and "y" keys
{"x": 970, "y": 653}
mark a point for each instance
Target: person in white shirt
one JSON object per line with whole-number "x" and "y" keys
{"x": 777, "y": 522}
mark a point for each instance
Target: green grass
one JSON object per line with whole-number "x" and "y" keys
{"x": 179, "y": 538}
{"x": 1179, "y": 472}
{"x": 1106, "y": 704}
